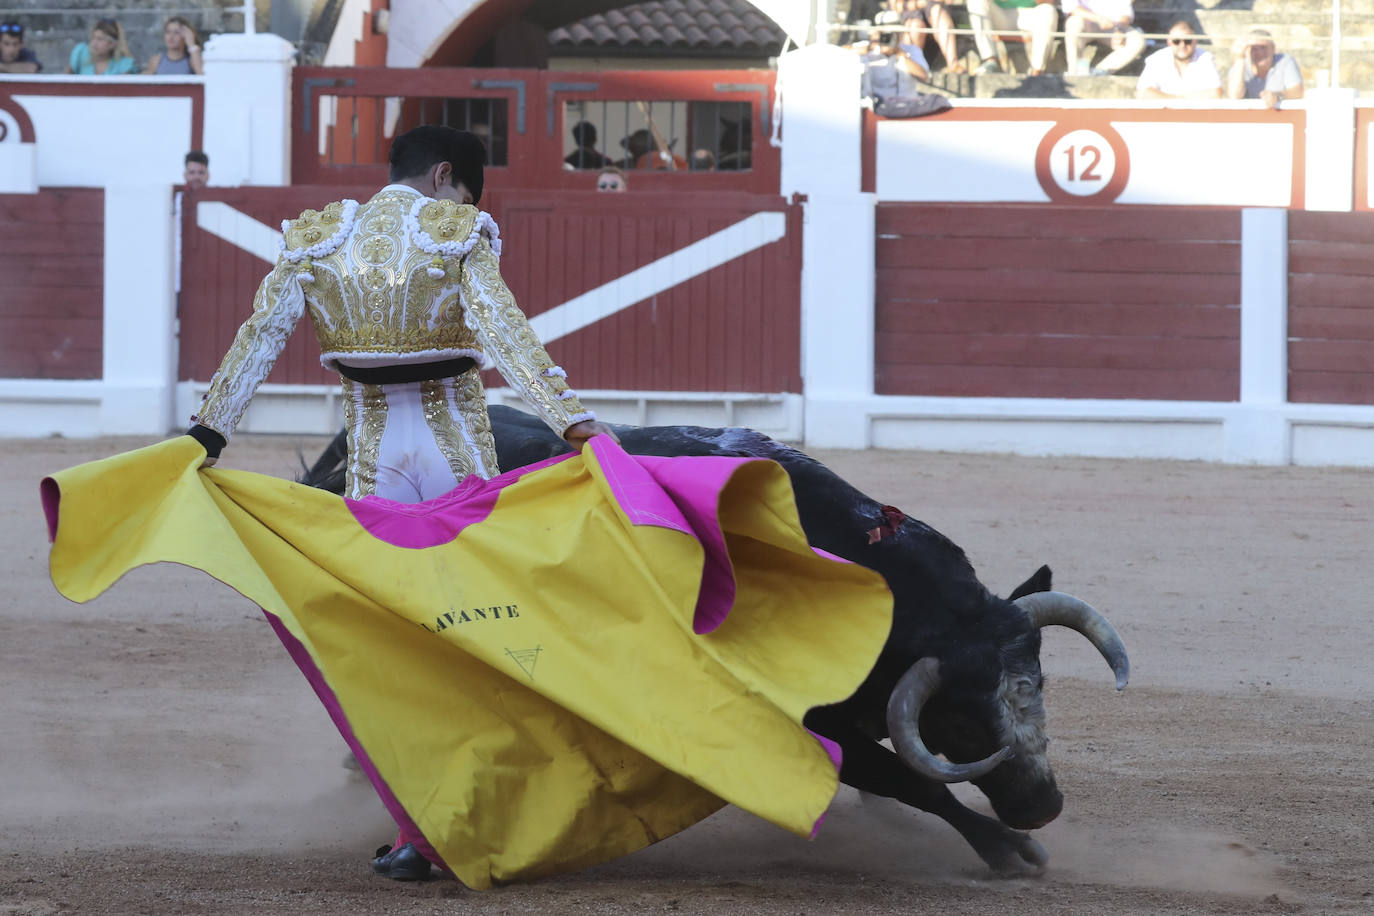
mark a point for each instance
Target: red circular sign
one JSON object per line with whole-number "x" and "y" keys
{"x": 1082, "y": 160}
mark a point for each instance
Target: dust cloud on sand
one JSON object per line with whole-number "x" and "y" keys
{"x": 162, "y": 755}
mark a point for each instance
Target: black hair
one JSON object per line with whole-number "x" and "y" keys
{"x": 196, "y": 155}
{"x": 12, "y": 28}
{"x": 584, "y": 133}
{"x": 417, "y": 150}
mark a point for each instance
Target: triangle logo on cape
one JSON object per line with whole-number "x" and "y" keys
{"x": 526, "y": 659}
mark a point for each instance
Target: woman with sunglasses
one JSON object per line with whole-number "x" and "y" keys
{"x": 106, "y": 53}
{"x": 1181, "y": 71}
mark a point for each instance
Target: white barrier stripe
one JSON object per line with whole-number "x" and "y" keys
{"x": 238, "y": 228}
{"x": 657, "y": 276}
{"x": 750, "y": 233}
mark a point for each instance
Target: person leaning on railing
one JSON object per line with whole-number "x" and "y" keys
{"x": 106, "y": 53}
{"x": 1259, "y": 72}
{"x": 1180, "y": 71}
{"x": 14, "y": 57}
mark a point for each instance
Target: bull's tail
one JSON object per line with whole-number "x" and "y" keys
{"x": 330, "y": 469}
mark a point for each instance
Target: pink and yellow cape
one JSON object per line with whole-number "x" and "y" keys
{"x": 538, "y": 672}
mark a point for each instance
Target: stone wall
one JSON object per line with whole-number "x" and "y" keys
{"x": 52, "y": 35}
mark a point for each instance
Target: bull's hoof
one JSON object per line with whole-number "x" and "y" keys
{"x": 1020, "y": 857}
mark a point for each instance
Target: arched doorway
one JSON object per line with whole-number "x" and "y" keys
{"x": 416, "y": 40}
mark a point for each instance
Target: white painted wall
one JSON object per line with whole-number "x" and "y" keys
{"x": 1186, "y": 163}
{"x": 248, "y": 109}
{"x": 18, "y": 160}
{"x": 98, "y": 141}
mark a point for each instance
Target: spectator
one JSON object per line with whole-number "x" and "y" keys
{"x": 1260, "y": 73}
{"x": 1180, "y": 71}
{"x": 105, "y": 53}
{"x": 890, "y": 69}
{"x": 197, "y": 173}
{"x": 929, "y": 14}
{"x": 703, "y": 160}
{"x": 1106, "y": 22}
{"x": 637, "y": 146}
{"x": 611, "y": 178}
{"x": 182, "y": 56}
{"x": 1039, "y": 17}
{"x": 586, "y": 156}
{"x": 14, "y": 57}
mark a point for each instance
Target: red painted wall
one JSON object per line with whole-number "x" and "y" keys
{"x": 735, "y": 328}
{"x": 52, "y": 248}
{"x": 1330, "y": 308}
{"x": 1053, "y": 301}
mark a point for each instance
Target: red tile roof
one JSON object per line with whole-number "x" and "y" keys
{"x": 684, "y": 26}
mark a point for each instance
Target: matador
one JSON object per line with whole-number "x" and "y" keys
{"x": 408, "y": 304}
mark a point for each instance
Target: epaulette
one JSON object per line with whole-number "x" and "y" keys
{"x": 447, "y": 229}
{"x": 316, "y": 233}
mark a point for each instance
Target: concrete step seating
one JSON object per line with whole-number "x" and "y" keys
{"x": 1301, "y": 28}
{"x": 52, "y": 35}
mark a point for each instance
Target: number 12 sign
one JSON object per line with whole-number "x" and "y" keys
{"x": 1082, "y": 164}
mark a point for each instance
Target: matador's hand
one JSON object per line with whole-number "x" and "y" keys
{"x": 578, "y": 434}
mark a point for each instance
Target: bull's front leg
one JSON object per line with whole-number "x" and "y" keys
{"x": 870, "y": 767}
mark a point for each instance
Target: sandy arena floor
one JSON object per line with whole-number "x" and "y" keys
{"x": 160, "y": 754}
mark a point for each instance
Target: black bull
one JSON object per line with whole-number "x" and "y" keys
{"x": 959, "y": 675}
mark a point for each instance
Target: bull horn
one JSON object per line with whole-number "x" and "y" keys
{"x": 904, "y": 727}
{"x": 1056, "y": 608}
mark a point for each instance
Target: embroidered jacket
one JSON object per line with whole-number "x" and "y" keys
{"x": 400, "y": 279}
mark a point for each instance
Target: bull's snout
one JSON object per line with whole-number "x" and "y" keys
{"x": 1022, "y": 815}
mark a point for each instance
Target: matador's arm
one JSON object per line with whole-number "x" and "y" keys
{"x": 511, "y": 344}
{"x": 277, "y": 307}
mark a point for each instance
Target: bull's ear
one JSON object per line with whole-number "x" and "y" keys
{"x": 1038, "y": 582}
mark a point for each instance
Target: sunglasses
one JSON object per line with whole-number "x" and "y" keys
{"x": 11, "y": 28}
{"x": 607, "y": 185}
{"x": 1182, "y": 41}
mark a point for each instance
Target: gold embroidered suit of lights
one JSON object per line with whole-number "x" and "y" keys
{"x": 371, "y": 293}
{"x": 448, "y": 434}
{"x": 277, "y": 306}
{"x": 510, "y": 342}
{"x": 395, "y": 306}
{"x": 365, "y": 422}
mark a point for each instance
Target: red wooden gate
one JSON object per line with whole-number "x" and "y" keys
{"x": 1058, "y": 302}
{"x": 734, "y": 327}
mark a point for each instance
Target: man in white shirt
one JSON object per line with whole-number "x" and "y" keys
{"x": 1180, "y": 71}
{"x": 1259, "y": 72}
{"x": 1106, "y": 22}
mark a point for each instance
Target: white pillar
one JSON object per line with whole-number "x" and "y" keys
{"x": 822, "y": 159}
{"x": 1257, "y": 431}
{"x": 1330, "y": 149}
{"x": 248, "y": 109}
{"x": 140, "y": 334}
